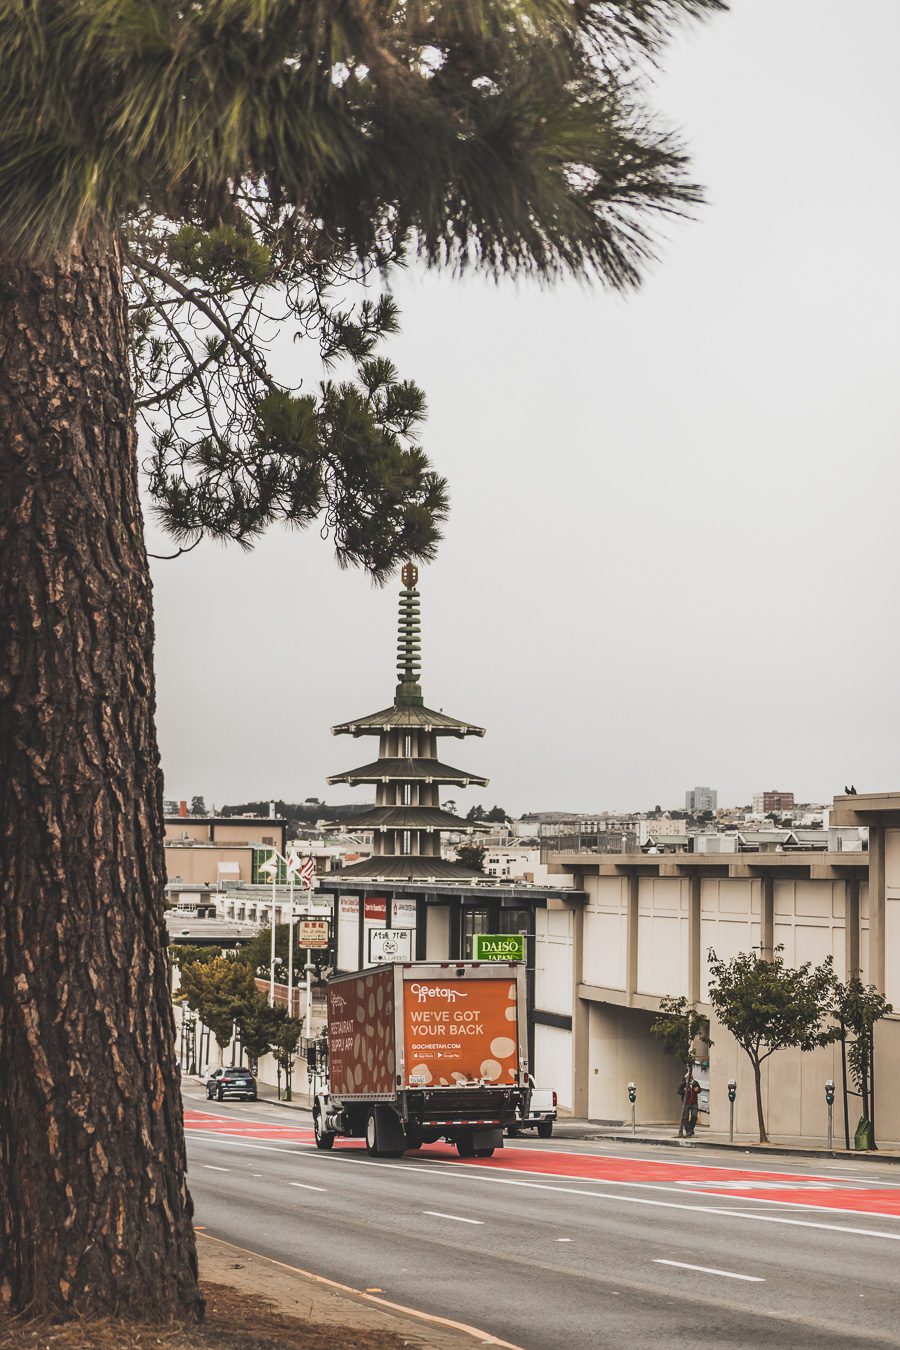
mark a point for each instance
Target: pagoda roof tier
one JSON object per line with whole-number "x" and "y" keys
{"x": 408, "y": 771}
{"x": 406, "y": 867}
{"x": 413, "y": 818}
{"x": 410, "y": 716}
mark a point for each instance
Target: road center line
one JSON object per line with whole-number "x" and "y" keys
{"x": 304, "y": 1187}
{"x": 457, "y": 1218}
{"x": 210, "y": 1168}
{"x": 710, "y": 1270}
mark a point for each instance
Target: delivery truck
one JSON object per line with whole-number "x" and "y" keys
{"x": 422, "y": 1051}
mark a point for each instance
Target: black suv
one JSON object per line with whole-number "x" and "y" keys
{"x": 231, "y": 1083}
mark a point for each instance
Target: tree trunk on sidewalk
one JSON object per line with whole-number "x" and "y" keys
{"x": 757, "y": 1083}
{"x": 95, "y": 1214}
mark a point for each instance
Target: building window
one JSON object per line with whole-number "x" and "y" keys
{"x": 473, "y": 921}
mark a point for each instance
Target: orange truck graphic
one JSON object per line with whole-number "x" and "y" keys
{"x": 420, "y": 1051}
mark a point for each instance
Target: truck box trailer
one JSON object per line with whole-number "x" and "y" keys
{"x": 421, "y": 1051}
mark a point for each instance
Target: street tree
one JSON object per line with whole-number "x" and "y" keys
{"x": 189, "y": 953}
{"x": 198, "y": 806}
{"x": 857, "y": 1007}
{"x": 684, "y": 1033}
{"x": 177, "y": 184}
{"x": 257, "y": 953}
{"x": 257, "y": 1024}
{"x": 286, "y": 1033}
{"x": 769, "y": 1006}
{"x": 218, "y": 991}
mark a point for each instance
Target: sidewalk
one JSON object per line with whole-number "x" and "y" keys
{"x": 666, "y": 1136}
{"x": 568, "y": 1127}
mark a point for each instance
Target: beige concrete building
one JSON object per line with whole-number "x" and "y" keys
{"x": 644, "y": 929}
{"x": 211, "y": 849}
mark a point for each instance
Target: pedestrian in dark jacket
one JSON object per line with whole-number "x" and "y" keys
{"x": 689, "y": 1092}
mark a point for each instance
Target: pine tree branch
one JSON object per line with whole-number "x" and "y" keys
{"x": 218, "y": 320}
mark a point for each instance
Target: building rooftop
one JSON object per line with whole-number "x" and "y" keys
{"x": 411, "y": 715}
{"x": 406, "y": 867}
{"x": 407, "y": 770}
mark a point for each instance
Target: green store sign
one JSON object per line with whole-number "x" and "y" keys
{"x": 499, "y": 947}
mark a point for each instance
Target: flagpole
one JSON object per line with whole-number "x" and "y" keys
{"x": 272, "y": 955}
{"x": 291, "y": 949}
{"x": 307, "y": 1028}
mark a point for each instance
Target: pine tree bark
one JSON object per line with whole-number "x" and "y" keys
{"x": 95, "y": 1214}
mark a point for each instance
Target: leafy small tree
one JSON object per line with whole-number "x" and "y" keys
{"x": 286, "y": 1033}
{"x": 683, "y": 1030}
{"x": 857, "y": 1007}
{"x": 257, "y": 954}
{"x": 258, "y": 1024}
{"x": 218, "y": 991}
{"x": 188, "y": 953}
{"x": 471, "y": 855}
{"x": 769, "y": 1006}
{"x": 198, "y": 806}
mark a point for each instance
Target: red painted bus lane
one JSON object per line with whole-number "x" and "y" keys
{"x": 814, "y": 1192}
{"x": 810, "y": 1191}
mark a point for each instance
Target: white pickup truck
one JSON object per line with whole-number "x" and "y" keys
{"x": 539, "y": 1112}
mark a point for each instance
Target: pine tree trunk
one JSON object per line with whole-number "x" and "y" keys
{"x": 95, "y": 1214}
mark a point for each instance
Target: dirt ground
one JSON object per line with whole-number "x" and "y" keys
{"x": 298, "y": 1310}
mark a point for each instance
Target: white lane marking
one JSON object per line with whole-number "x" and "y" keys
{"x": 210, "y": 1168}
{"x": 564, "y": 1239}
{"x": 473, "y": 1173}
{"x": 710, "y": 1270}
{"x": 457, "y": 1218}
{"x": 304, "y": 1187}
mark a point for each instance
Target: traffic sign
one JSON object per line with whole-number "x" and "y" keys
{"x": 499, "y": 947}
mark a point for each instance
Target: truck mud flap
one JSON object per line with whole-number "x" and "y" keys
{"x": 487, "y": 1139}
{"x": 388, "y": 1130}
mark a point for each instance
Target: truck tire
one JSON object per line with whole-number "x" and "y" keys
{"x": 372, "y": 1135}
{"x": 324, "y": 1139}
{"x": 482, "y": 1152}
{"x": 464, "y": 1146}
{"x": 545, "y": 1129}
{"x": 413, "y": 1140}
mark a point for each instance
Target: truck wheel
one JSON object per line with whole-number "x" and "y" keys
{"x": 545, "y": 1129}
{"x": 372, "y": 1136}
{"x": 482, "y": 1152}
{"x": 323, "y": 1138}
{"x": 464, "y": 1146}
{"x": 413, "y": 1140}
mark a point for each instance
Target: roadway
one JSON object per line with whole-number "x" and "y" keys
{"x": 559, "y": 1244}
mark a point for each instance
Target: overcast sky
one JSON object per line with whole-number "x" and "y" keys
{"x": 673, "y": 551}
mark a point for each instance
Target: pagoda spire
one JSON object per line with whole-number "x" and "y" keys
{"x": 409, "y": 647}
{"x": 407, "y": 819}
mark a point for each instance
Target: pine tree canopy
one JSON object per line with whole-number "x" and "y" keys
{"x": 263, "y": 162}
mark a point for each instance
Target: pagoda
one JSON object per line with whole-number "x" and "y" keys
{"x": 407, "y": 819}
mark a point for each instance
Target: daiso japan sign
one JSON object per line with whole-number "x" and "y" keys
{"x": 499, "y": 947}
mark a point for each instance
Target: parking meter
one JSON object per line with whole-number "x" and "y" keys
{"x": 732, "y": 1093}
{"x": 632, "y": 1092}
{"x": 829, "y": 1099}
{"x": 732, "y": 1089}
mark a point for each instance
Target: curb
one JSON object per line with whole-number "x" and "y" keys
{"x": 482, "y": 1337}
